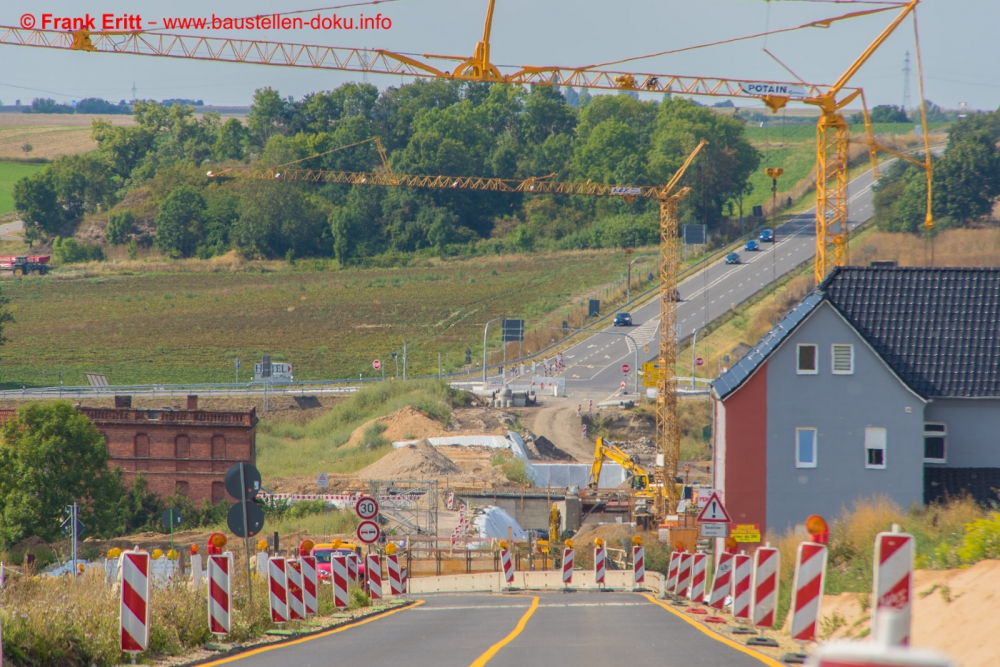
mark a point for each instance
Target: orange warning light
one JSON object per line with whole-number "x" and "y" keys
{"x": 816, "y": 524}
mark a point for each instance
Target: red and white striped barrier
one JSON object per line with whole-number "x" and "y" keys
{"x": 338, "y": 577}
{"x": 352, "y": 566}
{"x": 699, "y": 566}
{"x": 395, "y": 578}
{"x": 451, "y": 500}
{"x": 638, "y": 564}
{"x": 807, "y": 589}
{"x": 134, "y": 608}
{"x": 508, "y": 567}
{"x": 373, "y": 571}
{"x": 278, "y": 584}
{"x": 764, "y": 592}
{"x": 567, "y": 566}
{"x": 722, "y": 584}
{"x": 683, "y": 574}
{"x": 675, "y": 561}
{"x": 600, "y": 564}
{"x": 310, "y": 584}
{"x": 220, "y": 596}
{"x": 893, "y": 587}
{"x": 742, "y": 576}
{"x": 296, "y": 605}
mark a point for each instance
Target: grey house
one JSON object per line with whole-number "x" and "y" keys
{"x": 882, "y": 381}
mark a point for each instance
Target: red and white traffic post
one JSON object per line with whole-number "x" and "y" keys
{"x": 506, "y": 565}
{"x": 352, "y": 566}
{"x": 220, "y": 597}
{"x": 764, "y": 592}
{"x": 296, "y": 605}
{"x": 675, "y": 561}
{"x": 683, "y": 575}
{"x": 338, "y": 577}
{"x": 742, "y": 577}
{"x": 638, "y": 562}
{"x": 310, "y": 578}
{"x": 722, "y": 584}
{"x": 567, "y": 564}
{"x": 373, "y": 572}
{"x": 807, "y": 584}
{"x": 396, "y": 584}
{"x": 134, "y": 602}
{"x": 600, "y": 562}
{"x": 278, "y": 586}
{"x": 699, "y": 566}
{"x": 893, "y": 587}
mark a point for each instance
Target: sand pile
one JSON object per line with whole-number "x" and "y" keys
{"x": 406, "y": 423}
{"x": 416, "y": 461}
{"x": 611, "y": 533}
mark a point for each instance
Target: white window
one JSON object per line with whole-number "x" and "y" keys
{"x": 842, "y": 359}
{"x": 934, "y": 442}
{"x": 807, "y": 360}
{"x": 805, "y": 448}
{"x": 875, "y": 448}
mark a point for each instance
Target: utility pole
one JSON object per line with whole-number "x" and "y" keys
{"x": 906, "y": 82}
{"x": 404, "y": 357}
{"x": 774, "y": 173}
{"x": 694, "y": 347}
{"x": 628, "y": 281}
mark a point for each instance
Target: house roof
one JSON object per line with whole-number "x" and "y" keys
{"x": 938, "y": 329}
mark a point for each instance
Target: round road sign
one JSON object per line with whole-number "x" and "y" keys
{"x": 699, "y": 361}
{"x": 366, "y": 508}
{"x": 368, "y": 532}
{"x": 626, "y": 368}
{"x": 376, "y": 364}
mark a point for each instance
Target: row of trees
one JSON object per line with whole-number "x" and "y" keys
{"x": 151, "y": 174}
{"x": 966, "y": 181}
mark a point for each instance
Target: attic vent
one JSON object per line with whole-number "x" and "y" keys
{"x": 843, "y": 359}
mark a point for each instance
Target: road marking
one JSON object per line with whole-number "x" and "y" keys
{"x": 480, "y": 606}
{"x": 493, "y": 650}
{"x": 728, "y": 642}
{"x": 318, "y": 635}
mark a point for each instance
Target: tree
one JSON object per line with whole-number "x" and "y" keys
{"x": 888, "y": 113}
{"x": 37, "y": 203}
{"x": 83, "y": 184}
{"x": 265, "y": 115}
{"x": 120, "y": 226}
{"x": 178, "y": 222}
{"x": 231, "y": 142}
{"x": 50, "y": 456}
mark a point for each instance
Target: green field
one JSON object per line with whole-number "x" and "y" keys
{"x": 776, "y": 133}
{"x": 10, "y": 173}
{"x": 189, "y": 327}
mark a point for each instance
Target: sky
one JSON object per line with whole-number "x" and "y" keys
{"x": 958, "y": 41}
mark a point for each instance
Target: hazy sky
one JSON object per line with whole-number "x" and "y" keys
{"x": 960, "y": 47}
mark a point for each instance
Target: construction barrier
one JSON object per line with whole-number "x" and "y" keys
{"x": 675, "y": 561}
{"x": 639, "y": 564}
{"x": 262, "y": 559}
{"x": 567, "y": 566}
{"x": 684, "y": 574}
{"x": 807, "y": 589}
{"x": 352, "y": 566}
{"x": 451, "y": 500}
{"x": 338, "y": 577}
{"x": 134, "y": 608}
{"x": 893, "y": 586}
{"x": 278, "y": 588}
{"x": 196, "y": 571}
{"x": 220, "y": 597}
{"x": 373, "y": 571}
{"x": 764, "y": 595}
{"x": 395, "y": 577}
{"x": 310, "y": 584}
{"x": 742, "y": 575}
{"x": 698, "y": 574}
{"x": 723, "y": 582}
{"x": 877, "y": 653}
{"x": 600, "y": 564}
{"x": 293, "y": 577}
{"x": 508, "y": 567}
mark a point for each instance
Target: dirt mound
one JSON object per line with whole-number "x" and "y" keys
{"x": 416, "y": 461}
{"x": 611, "y": 533}
{"x": 406, "y": 423}
{"x": 548, "y": 450}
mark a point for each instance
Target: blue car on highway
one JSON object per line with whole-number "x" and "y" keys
{"x": 733, "y": 258}
{"x": 767, "y": 236}
{"x": 623, "y": 320}
{"x": 751, "y": 245}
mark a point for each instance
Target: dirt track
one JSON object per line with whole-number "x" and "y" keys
{"x": 559, "y": 422}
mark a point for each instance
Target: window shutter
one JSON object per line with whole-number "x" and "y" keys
{"x": 843, "y": 359}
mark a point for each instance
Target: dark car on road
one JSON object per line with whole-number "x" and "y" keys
{"x": 733, "y": 258}
{"x": 751, "y": 245}
{"x": 623, "y": 320}
{"x": 767, "y": 236}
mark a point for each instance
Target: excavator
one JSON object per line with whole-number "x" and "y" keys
{"x": 638, "y": 476}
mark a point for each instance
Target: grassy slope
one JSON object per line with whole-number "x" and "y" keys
{"x": 188, "y": 327}
{"x": 10, "y": 173}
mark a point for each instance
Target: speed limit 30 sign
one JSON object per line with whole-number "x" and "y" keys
{"x": 366, "y": 507}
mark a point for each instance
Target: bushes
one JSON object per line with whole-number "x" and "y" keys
{"x": 982, "y": 539}
{"x": 71, "y": 251}
{"x": 513, "y": 468}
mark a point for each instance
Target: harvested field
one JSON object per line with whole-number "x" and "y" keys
{"x": 50, "y": 135}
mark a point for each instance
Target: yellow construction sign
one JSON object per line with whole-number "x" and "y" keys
{"x": 745, "y": 532}
{"x": 651, "y": 374}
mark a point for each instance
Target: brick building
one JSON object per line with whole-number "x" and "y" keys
{"x": 178, "y": 451}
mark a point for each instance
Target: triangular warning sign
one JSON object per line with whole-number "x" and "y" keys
{"x": 715, "y": 511}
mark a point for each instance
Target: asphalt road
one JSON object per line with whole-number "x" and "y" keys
{"x": 593, "y": 367}
{"x": 459, "y": 631}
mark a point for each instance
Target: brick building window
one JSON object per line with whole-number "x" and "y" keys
{"x": 182, "y": 447}
{"x": 218, "y": 492}
{"x": 182, "y": 488}
{"x": 218, "y": 446}
{"x": 141, "y": 446}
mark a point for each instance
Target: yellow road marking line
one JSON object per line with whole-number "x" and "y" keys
{"x": 493, "y": 650}
{"x": 728, "y": 642}
{"x": 326, "y": 633}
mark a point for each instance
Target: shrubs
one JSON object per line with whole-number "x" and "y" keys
{"x": 513, "y": 468}
{"x": 982, "y": 540}
{"x": 71, "y": 251}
